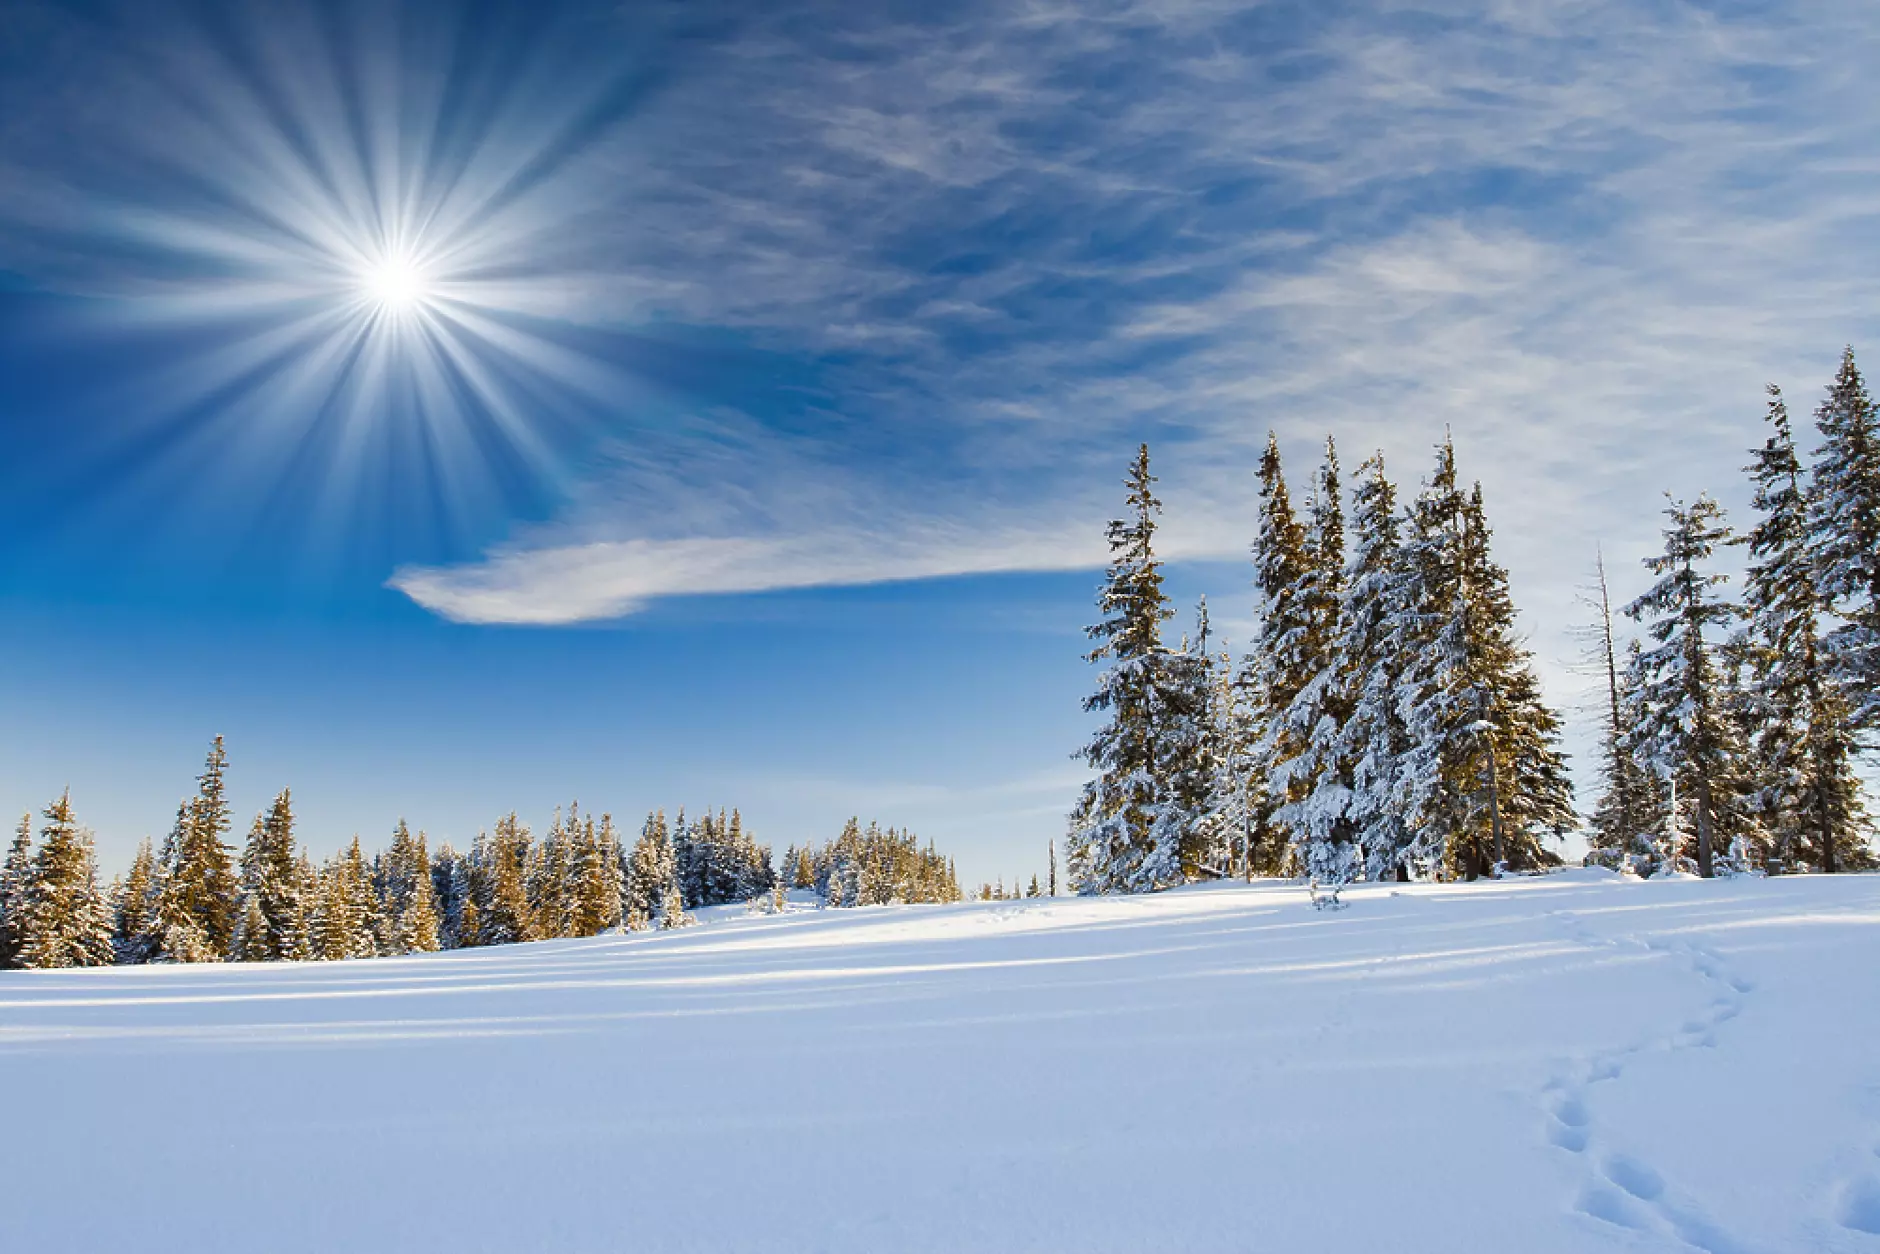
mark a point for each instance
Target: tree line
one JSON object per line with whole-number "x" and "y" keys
{"x": 194, "y": 899}
{"x": 1388, "y": 722}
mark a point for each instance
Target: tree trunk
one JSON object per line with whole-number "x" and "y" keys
{"x": 1494, "y": 807}
{"x": 1825, "y": 817}
{"x": 1703, "y": 826}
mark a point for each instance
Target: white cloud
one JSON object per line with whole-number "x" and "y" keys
{"x": 606, "y": 579}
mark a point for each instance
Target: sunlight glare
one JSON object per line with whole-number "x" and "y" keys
{"x": 395, "y": 284}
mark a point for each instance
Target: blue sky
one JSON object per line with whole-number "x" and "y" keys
{"x": 775, "y": 365}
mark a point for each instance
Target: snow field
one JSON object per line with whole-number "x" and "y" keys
{"x": 1566, "y": 1063}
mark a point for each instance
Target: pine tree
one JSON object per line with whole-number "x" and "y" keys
{"x": 1190, "y": 748}
{"x": 1686, "y": 737}
{"x": 652, "y": 877}
{"x": 1121, "y": 836}
{"x": 64, "y": 919}
{"x": 1051, "y": 862}
{"x": 1375, "y": 631}
{"x": 1844, "y": 526}
{"x": 195, "y": 914}
{"x": 306, "y": 946}
{"x": 1624, "y": 820}
{"x": 418, "y": 922}
{"x": 505, "y": 916}
{"x": 270, "y": 887}
{"x": 348, "y": 925}
{"x": 1315, "y": 773}
{"x": 1236, "y": 803}
{"x": 451, "y": 895}
{"x": 251, "y": 933}
{"x": 547, "y": 879}
{"x": 132, "y": 907}
{"x": 1483, "y": 781}
{"x": 403, "y": 904}
{"x": 13, "y": 879}
{"x": 1281, "y": 664}
{"x": 1798, "y": 715}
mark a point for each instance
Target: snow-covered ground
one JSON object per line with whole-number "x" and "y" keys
{"x": 1567, "y": 1063}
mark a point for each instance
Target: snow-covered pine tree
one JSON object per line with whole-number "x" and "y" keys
{"x": 1483, "y": 780}
{"x": 1686, "y": 737}
{"x": 14, "y": 874}
{"x": 336, "y": 926}
{"x": 838, "y": 870}
{"x": 1310, "y": 767}
{"x": 653, "y": 878}
{"x": 307, "y": 889}
{"x": 1279, "y": 667}
{"x": 417, "y": 922}
{"x": 270, "y": 882}
{"x": 131, "y": 908}
{"x": 64, "y": 919}
{"x": 1236, "y": 802}
{"x": 1844, "y": 526}
{"x": 251, "y": 933}
{"x": 1624, "y": 821}
{"x": 1120, "y": 838}
{"x": 1190, "y": 747}
{"x": 1800, "y": 721}
{"x": 361, "y": 916}
{"x": 505, "y": 917}
{"x": 250, "y": 942}
{"x": 547, "y": 878}
{"x": 610, "y": 875}
{"x": 196, "y": 899}
{"x": 1376, "y": 625}
{"x": 455, "y": 886}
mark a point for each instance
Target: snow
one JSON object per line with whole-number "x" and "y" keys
{"x": 1566, "y": 1063}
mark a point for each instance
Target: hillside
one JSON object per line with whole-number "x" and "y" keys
{"x": 1558, "y": 1064}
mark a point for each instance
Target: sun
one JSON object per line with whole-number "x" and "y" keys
{"x": 395, "y": 284}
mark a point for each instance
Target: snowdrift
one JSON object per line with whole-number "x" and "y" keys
{"x": 1568, "y": 1063}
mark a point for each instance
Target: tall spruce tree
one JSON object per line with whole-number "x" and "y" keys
{"x": 1686, "y": 737}
{"x": 1316, "y": 778}
{"x": 1124, "y": 835}
{"x": 195, "y": 915}
{"x": 64, "y": 918}
{"x": 270, "y": 888}
{"x": 1844, "y": 527}
{"x": 505, "y": 916}
{"x": 1484, "y": 780}
{"x": 1280, "y": 665}
{"x": 1800, "y": 721}
{"x": 1376, "y": 623}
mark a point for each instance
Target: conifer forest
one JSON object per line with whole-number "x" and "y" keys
{"x": 1388, "y": 724}
{"x": 196, "y": 899}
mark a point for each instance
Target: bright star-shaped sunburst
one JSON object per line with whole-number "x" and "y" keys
{"x": 376, "y": 263}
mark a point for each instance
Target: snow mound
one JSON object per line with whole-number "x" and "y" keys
{"x": 1561, "y": 1063}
